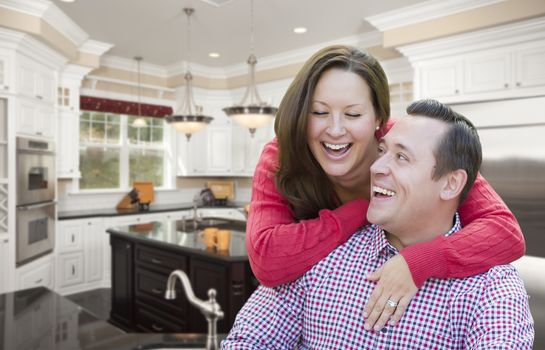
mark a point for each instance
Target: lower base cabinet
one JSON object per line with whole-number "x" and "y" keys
{"x": 139, "y": 277}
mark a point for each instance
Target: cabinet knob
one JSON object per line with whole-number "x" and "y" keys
{"x": 6, "y": 87}
{"x": 456, "y": 91}
{"x": 39, "y": 97}
{"x": 39, "y": 133}
{"x": 156, "y": 261}
{"x": 38, "y": 281}
{"x": 518, "y": 83}
{"x": 128, "y": 246}
{"x": 506, "y": 85}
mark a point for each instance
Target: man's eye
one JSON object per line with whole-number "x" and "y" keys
{"x": 401, "y": 156}
{"x": 380, "y": 150}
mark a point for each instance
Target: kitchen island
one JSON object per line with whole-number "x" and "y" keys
{"x": 39, "y": 318}
{"x": 144, "y": 255}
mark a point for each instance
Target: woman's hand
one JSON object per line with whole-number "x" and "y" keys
{"x": 395, "y": 286}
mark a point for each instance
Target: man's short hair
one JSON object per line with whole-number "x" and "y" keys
{"x": 460, "y": 147}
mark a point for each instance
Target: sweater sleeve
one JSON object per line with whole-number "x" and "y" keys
{"x": 279, "y": 248}
{"x": 491, "y": 236}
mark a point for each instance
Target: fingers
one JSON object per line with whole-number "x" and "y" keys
{"x": 399, "y": 311}
{"x": 375, "y": 276}
{"x": 381, "y": 313}
{"x": 373, "y": 299}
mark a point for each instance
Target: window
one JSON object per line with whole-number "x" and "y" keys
{"x": 114, "y": 154}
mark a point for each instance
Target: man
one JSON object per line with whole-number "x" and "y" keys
{"x": 427, "y": 163}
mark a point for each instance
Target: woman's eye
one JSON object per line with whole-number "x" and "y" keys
{"x": 354, "y": 115}
{"x": 318, "y": 113}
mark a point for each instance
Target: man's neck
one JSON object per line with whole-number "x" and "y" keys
{"x": 411, "y": 235}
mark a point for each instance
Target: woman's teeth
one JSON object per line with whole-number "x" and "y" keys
{"x": 336, "y": 147}
{"x": 383, "y": 191}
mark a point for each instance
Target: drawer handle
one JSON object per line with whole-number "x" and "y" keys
{"x": 38, "y": 281}
{"x": 157, "y": 291}
{"x": 72, "y": 238}
{"x": 156, "y": 261}
{"x": 238, "y": 288}
{"x": 73, "y": 270}
{"x": 157, "y": 328}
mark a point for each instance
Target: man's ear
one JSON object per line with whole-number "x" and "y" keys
{"x": 454, "y": 184}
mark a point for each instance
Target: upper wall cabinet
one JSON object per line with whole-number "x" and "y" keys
{"x": 35, "y": 80}
{"x": 494, "y": 63}
{"x": 6, "y": 69}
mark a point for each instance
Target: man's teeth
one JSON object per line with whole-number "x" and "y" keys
{"x": 383, "y": 191}
{"x": 336, "y": 147}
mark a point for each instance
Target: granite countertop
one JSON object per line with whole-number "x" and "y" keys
{"x": 154, "y": 208}
{"x": 183, "y": 236}
{"x": 41, "y": 318}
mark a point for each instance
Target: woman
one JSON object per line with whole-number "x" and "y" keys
{"x": 311, "y": 189}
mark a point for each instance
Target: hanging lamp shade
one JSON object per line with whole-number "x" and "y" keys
{"x": 188, "y": 119}
{"x": 251, "y": 112}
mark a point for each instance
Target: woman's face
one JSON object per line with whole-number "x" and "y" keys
{"x": 341, "y": 125}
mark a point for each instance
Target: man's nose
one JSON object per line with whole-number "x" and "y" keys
{"x": 381, "y": 165}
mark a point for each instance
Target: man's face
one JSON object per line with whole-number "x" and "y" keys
{"x": 403, "y": 193}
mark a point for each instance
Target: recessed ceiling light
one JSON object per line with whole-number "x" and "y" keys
{"x": 214, "y": 54}
{"x": 299, "y": 30}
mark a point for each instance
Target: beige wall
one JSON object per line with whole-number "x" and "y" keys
{"x": 483, "y": 17}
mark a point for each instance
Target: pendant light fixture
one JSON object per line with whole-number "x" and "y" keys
{"x": 139, "y": 122}
{"x": 188, "y": 119}
{"x": 251, "y": 112}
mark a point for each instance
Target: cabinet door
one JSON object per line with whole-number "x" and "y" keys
{"x": 441, "y": 79}
{"x": 36, "y": 273}
{"x": 196, "y": 149}
{"x": 70, "y": 269}
{"x": 26, "y": 77}
{"x": 219, "y": 150}
{"x": 205, "y": 275}
{"x": 94, "y": 235}
{"x": 70, "y": 238}
{"x": 122, "y": 282}
{"x": 487, "y": 73}
{"x": 6, "y": 82}
{"x": 45, "y": 85}
{"x": 68, "y": 145}
{"x": 4, "y": 268}
{"x": 530, "y": 67}
{"x": 25, "y": 120}
{"x": 45, "y": 121}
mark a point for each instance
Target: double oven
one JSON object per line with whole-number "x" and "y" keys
{"x": 35, "y": 199}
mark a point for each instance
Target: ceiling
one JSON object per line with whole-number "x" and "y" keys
{"x": 157, "y": 29}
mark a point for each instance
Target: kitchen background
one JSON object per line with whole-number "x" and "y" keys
{"x": 65, "y": 65}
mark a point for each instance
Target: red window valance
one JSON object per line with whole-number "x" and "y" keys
{"x": 98, "y": 104}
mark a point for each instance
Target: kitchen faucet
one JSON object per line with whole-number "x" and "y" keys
{"x": 210, "y": 308}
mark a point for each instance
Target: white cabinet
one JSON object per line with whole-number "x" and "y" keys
{"x": 35, "y": 80}
{"x": 6, "y": 70}
{"x": 36, "y": 273}
{"x": 80, "y": 249}
{"x": 4, "y": 265}
{"x": 507, "y": 72}
{"x": 221, "y": 213}
{"x": 530, "y": 67}
{"x": 68, "y": 145}
{"x": 219, "y": 150}
{"x": 488, "y": 72}
{"x": 34, "y": 119}
{"x": 441, "y": 79}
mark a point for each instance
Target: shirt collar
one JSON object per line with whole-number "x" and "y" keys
{"x": 379, "y": 243}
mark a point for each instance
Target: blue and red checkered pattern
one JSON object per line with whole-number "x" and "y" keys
{"x": 323, "y": 309}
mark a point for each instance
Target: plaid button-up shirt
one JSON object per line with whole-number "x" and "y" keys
{"x": 323, "y": 309}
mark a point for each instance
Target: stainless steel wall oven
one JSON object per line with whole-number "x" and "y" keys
{"x": 35, "y": 198}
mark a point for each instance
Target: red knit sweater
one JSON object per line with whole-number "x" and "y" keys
{"x": 281, "y": 249}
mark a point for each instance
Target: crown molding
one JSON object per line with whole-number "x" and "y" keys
{"x": 74, "y": 72}
{"x": 51, "y": 14}
{"x": 126, "y": 64}
{"x": 27, "y": 45}
{"x": 425, "y": 11}
{"x": 95, "y": 47}
{"x": 509, "y": 34}
{"x": 129, "y": 83}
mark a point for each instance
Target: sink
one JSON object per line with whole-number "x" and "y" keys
{"x": 189, "y": 225}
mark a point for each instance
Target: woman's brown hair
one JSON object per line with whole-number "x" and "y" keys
{"x": 300, "y": 178}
